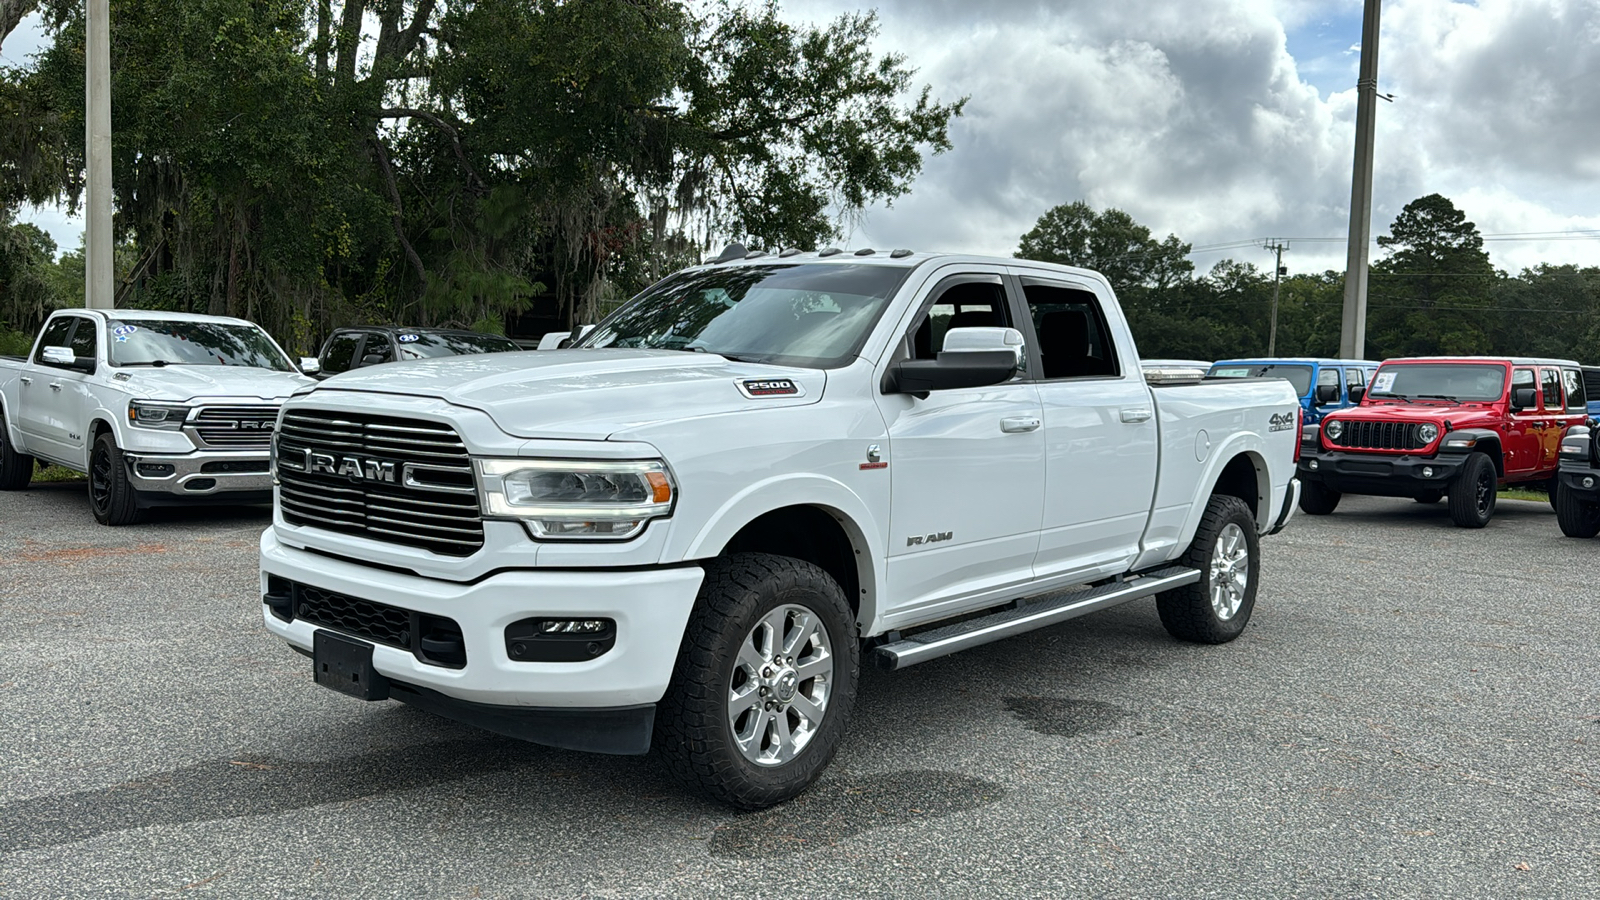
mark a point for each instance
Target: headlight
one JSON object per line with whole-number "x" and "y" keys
{"x": 1333, "y": 429}
{"x": 1426, "y": 432}
{"x": 146, "y": 414}
{"x": 577, "y": 499}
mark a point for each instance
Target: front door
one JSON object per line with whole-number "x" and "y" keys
{"x": 1100, "y": 433}
{"x": 965, "y": 465}
{"x": 51, "y": 395}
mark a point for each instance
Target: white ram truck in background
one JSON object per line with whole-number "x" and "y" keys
{"x": 689, "y": 529}
{"x": 157, "y": 408}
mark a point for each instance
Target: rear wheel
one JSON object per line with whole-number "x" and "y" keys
{"x": 764, "y": 681}
{"x": 1215, "y": 609}
{"x": 111, "y": 496}
{"x": 16, "y": 469}
{"x": 1472, "y": 496}
{"x": 1577, "y": 517}
{"x": 1430, "y": 496}
{"x": 1318, "y": 499}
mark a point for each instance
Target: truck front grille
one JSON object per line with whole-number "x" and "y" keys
{"x": 1377, "y": 436}
{"x": 435, "y": 640}
{"x": 235, "y": 427}
{"x": 400, "y": 481}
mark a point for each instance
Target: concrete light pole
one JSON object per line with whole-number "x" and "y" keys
{"x": 98, "y": 291}
{"x": 1353, "y": 335}
{"x": 1277, "y": 279}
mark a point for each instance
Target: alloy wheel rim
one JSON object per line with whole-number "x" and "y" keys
{"x": 100, "y": 479}
{"x": 780, "y": 687}
{"x": 1484, "y": 487}
{"x": 1230, "y": 571}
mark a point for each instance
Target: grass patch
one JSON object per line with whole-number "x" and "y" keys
{"x": 1524, "y": 493}
{"x": 54, "y": 474}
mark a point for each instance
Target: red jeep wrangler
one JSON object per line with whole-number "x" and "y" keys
{"x": 1460, "y": 425}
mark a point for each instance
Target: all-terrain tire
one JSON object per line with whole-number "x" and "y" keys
{"x": 1317, "y": 499}
{"x": 1430, "y": 496}
{"x": 1472, "y": 496}
{"x": 1577, "y": 517}
{"x": 695, "y": 729}
{"x": 111, "y": 495}
{"x": 16, "y": 469}
{"x": 1226, "y": 550}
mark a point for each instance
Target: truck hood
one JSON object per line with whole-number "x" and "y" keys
{"x": 590, "y": 394}
{"x": 1459, "y": 415}
{"x": 182, "y": 383}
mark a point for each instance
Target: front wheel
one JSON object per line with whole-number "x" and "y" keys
{"x": 16, "y": 469}
{"x": 1472, "y": 496}
{"x": 1577, "y": 517}
{"x": 111, "y": 496}
{"x": 1215, "y": 609}
{"x": 764, "y": 682}
{"x": 1318, "y": 499}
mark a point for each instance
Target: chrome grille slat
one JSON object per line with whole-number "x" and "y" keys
{"x": 391, "y": 512}
{"x": 210, "y": 425}
{"x": 1365, "y": 435}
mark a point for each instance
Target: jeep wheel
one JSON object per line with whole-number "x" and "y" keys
{"x": 764, "y": 681}
{"x": 110, "y": 494}
{"x": 1318, "y": 499}
{"x": 1430, "y": 496}
{"x": 1215, "y": 609}
{"x": 1472, "y": 496}
{"x": 1577, "y": 517}
{"x": 16, "y": 469}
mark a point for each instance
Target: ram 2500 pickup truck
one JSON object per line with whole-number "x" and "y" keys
{"x": 1452, "y": 425}
{"x": 691, "y": 527}
{"x": 157, "y": 408}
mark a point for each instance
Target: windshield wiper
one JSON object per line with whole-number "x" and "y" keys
{"x": 1438, "y": 397}
{"x": 726, "y": 356}
{"x": 158, "y": 363}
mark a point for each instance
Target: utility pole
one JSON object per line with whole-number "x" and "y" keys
{"x": 1277, "y": 278}
{"x": 1353, "y": 335}
{"x": 97, "y": 151}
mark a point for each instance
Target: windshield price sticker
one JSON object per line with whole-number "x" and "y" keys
{"x": 1383, "y": 383}
{"x": 410, "y": 338}
{"x": 769, "y": 387}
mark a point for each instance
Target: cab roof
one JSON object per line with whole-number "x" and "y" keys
{"x": 1294, "y": 360}
{"x": 1507, "y": 360}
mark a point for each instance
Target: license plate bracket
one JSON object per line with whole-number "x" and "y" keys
{"x": 345, "y": 665}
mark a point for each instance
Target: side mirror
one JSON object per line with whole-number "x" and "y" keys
{"x": 1327, "y": 393}
{"x": 310, "y": 365}
{"x": 972, "y": 357}
{"x": 1357, "y": 393}
{"x": 1522, "y": 398}
{"x": 64, "y": 358}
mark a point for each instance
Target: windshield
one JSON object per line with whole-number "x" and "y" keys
{"x": 1435, "y": 381}
{"x": 158, "y": 342}
{"x": 417, "y": 345}
{"x": 787, "y": 314}
{"x": 1299, "y": 376}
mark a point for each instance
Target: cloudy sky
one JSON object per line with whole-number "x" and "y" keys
{"x": 1229, "y": 122}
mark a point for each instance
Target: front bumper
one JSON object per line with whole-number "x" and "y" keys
{"x": 201, "y": 473}
{"x": 649, "y": 606}
{"x": 1575, "y": 474}
{"x": 1381, "y": 475}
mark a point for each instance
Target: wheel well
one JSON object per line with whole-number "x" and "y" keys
{"x": 1491, "y": 449}
{"x": 808, "y": 533}
{"x": 1241, "y": 478}
{"x": 96, "y": 428}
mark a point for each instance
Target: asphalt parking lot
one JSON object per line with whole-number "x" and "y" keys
{"x": 1414, "y": 711}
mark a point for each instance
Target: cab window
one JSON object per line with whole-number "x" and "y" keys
{"x": 84, "y": 341}
{"x": 376, "y": 349}
{"x": 964, "y": 302}
{"x": 341, "y": 353}
{"x": 1577, "y": 401}
{"x": 1355, "y": 377}
{"x": 1520, "y": 379}
{"x": 1074, "y": 341}
{"x": 56, "y": 334}
{"x": 1328, "y": 378}
{"x": 1550, "y": 385}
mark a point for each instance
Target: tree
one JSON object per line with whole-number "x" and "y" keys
{"x": 1434, "y": 291}
{"x": 28, "y": 292}
{"x": 1110, "y": 242}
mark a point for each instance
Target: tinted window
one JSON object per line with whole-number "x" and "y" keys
{"x": 812, "y": 314}
{"x": 1355, "y": 377}
{"x": 341, "y": 353}
{"x": 83, "y": 339}
{"x": 1328, "y": 377}
{"x": 423, "y": 345}
{"x": 376, "y": 349}
{"x": 1298, "y": 376}
{"x": 963, "y": 304}
{"x": 1550, "y": 382}
{"x": 55, "y": 335}
{"x": 1073, "y": 339}
{"x": 1577, "y": 399}
{"x": 164, "y": 342}
{"x": 1441, "y": 381}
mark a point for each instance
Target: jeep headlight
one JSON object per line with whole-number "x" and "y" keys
{"x": 1333, "y": 429}
{"x": 147, "y": 414}
{"x": 1426, "y": 432}
{"x": 577, "y": 499}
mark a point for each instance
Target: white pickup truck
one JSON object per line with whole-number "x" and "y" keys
{"x": 690, "y": 528}
{"x": 157, "y": 408}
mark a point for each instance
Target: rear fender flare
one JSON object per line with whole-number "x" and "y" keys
{"x": 1251, "y": 446}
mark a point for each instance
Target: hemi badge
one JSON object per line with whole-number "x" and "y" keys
{"x": 756, "y": 388}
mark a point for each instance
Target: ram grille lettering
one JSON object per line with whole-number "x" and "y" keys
{"x": 929, "y": 538}
{"x": 354, "y": 468}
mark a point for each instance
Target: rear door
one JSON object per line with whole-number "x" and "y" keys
{"x": 1100, "y": 430}
{"x": 1553, "y": 393}
{"x": 965, "y": 465}
{"x": 1524, "y": 428}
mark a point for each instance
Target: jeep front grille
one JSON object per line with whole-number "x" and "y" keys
{"x": 1376, "y": 435}
{"x": 401, "y": 481}
{"x": 235, "y": 427}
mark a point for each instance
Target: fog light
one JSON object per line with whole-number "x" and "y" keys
{"x": 572, "y": 626}
{"x": 1427, "y": 471}
{"x": 155, "y": 470}
{"x": 1588, "y": 481}
{"x": 1312, "y": 465}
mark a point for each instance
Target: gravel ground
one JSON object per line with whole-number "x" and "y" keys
{"x": 1412, "y": 713}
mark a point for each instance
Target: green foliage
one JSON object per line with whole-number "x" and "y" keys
{"x": 1110, "y": 242}
{"x": 28, "y": 288}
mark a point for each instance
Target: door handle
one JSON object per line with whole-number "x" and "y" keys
{"x": 1020, "y": 424}
{"x": 25, "y": 380}
{"x": 55, "y": 385}
{"x": 1136, "y": 415}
